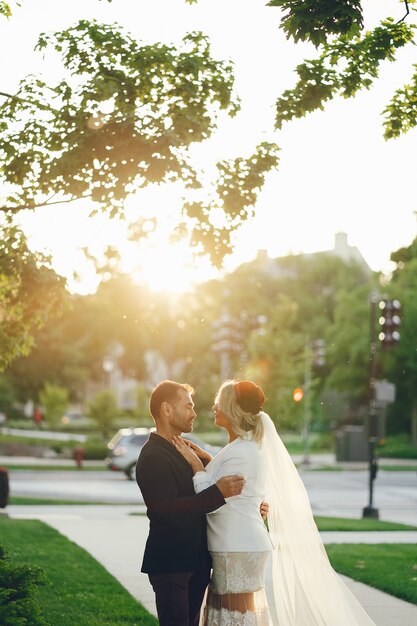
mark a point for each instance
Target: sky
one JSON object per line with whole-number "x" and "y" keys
{"x": 336, "y": 171}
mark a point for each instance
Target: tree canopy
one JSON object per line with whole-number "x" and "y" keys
{"x": 123, "y": 115}
{"x": 301, "y": 299}
{"x": 30, "y": 291}
{"x": 120, "y": 116}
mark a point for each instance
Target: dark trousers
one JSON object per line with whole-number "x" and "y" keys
{"x": 179, "y": 596}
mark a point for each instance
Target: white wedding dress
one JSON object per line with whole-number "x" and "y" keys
{"x": 306, "y": 589}
{"x": 238, "y": 540}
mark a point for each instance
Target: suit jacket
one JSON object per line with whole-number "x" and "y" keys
{"x": 177, "y": 540}
{"x": 237, "y": 526}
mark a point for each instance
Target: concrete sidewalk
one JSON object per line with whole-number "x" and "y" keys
{"x": 316, "y": 461}
{"x": 116, "y": 535}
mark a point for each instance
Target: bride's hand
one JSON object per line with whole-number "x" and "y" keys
{"x": 202, "y": 454}
{"x": 189, "y": 455}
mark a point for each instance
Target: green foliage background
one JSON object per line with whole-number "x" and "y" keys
{"x": 57, "y": 145}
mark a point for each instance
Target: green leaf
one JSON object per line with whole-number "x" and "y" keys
{"x": 316, "y": 20}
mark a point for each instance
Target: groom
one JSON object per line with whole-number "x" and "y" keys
{"x": 176, "y": 558}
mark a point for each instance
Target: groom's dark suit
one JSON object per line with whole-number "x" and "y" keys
{"x": 176, "y": 548}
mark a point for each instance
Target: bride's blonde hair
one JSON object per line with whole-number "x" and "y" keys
{"x": 241, "y": 402}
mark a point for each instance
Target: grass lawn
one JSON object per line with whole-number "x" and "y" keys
{"x": 323, "y": 468}
{"x": 34, "y": 501}
{"x": 389, "y": 567}
{"x": 398, "y": 468}
{"x": 78, "y": 590}
{"x": 345, "y": 524}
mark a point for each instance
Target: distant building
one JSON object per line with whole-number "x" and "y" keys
{"x": 280, "y": 266}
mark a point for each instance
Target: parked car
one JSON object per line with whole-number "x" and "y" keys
{"x": 125, "y": 446}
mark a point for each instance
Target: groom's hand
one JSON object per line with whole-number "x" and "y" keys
{"x": 231, "y": 485}
{"x": 264, "y": 509}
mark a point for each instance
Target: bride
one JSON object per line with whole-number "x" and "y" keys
{"x": 307, "y": 591}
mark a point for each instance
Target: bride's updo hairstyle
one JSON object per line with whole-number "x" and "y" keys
{"x": 241, "y": 402}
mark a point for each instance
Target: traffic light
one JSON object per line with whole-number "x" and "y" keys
{"x": 390, "y": 321}
{"x": 297, "y": 394}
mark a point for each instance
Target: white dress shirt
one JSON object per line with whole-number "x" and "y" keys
{"x": 237, "y": 526}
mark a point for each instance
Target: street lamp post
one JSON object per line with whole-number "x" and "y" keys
{"x": 389, "y": 336}
{"x": 370, "y": 510}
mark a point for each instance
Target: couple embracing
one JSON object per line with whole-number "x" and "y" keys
{"x": 207, "y": 524}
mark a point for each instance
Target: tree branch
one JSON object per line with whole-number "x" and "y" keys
{"x": 408, "y": 11}
{"x": 37, "y": 104}
{"x": 32, "y": 207}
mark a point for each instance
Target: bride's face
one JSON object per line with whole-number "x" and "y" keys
{"x": 220, "y": 419}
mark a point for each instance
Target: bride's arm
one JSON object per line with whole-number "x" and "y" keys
{"x": 202, "y": 480}
{"x": 228, "y": 476}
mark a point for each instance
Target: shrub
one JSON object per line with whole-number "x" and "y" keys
{"x": 397, "y": 447}
{"x": 104, "y": 410}
{"x": 55, "y": 402}
{"x": 94, "y": 450}
{"x": 18, "y": 607}
{"x": 323, "y": 441}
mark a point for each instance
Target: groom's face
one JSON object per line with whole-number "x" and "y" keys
{"x": 182, "y": 414}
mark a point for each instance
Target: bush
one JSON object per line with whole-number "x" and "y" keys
{"x": 94, "y": 450}
{"x": 104, "y": 410}
{"x": 55, "y": 401}
{"x": 18, "y": 583}
{"x": 323, "y": 441}
{"x": 397, "y": 447}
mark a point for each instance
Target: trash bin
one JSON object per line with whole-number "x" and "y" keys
{"x": 351, "y": 444}
{"x": 4, "y": 487}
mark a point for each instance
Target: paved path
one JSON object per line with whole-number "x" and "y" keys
{"x": 116, "y": 538}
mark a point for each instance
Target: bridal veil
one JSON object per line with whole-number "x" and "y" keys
{"x": 307, "y": 591}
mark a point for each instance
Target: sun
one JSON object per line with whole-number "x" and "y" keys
{"x": 153, "y": 260}
{"x": 171, "y": 268}
{"x": 161, "y": 261}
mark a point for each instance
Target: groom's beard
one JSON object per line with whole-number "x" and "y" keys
{"x": 185, "y": 425}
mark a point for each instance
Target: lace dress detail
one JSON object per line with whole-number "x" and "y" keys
{"x": 236, "y": 594}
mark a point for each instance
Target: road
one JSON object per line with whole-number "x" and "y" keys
{"x": 344, "y": 494}
{"x": 333, "y": 493}
{"x": 75, "y": 485}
